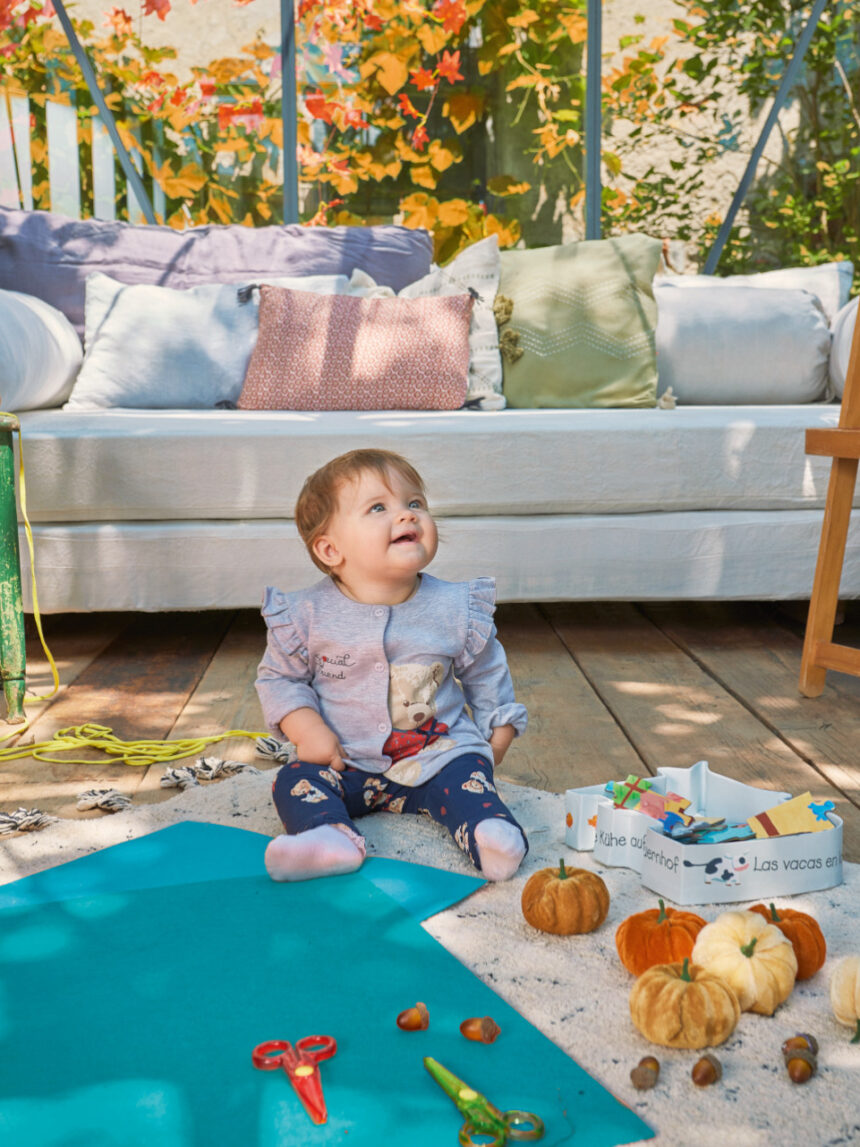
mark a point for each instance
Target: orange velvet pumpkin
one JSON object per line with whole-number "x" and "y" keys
{"x": 658, "y": 936}
{"x": 805, "y": 934}
{"x": 565, "y": 901}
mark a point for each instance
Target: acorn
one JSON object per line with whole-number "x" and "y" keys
{"x": 802, "y": 1040}
{"x": 414, "y": 1019}
{"x": 706, "y": 1071}
{"x": 480, "y": 1030}
{"x": 801, "y": 1065}
{"x": 645, "y": 1074}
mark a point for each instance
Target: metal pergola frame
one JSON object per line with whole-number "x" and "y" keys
{"x": 593, "y": 125}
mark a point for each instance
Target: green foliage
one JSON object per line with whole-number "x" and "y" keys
{"x": 804, "y": 206}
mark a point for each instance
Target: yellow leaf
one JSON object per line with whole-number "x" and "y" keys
{"x": 506, "y": 185}
{"x": 453, "y": 213}
{"x": 523, "y": 19}
{"x": 392, "y": 71}
{"x": 442, "y": 156}
{"x": 433, "y": 39}
{"x": 227, "y": 70}
{"x": 344, "y": 182}
{"x": 505, "y": 50}
{"x": 420, "y": 210}
{"x": 508, "y": 231}
{"x": 528, "y": 81}
{"x": 576, "y": 27}
{"x": 423, "y": 175}
{"x": 185, "y": 183}
{"x": 463, "y": 109}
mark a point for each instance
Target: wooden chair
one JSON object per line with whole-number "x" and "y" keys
{"x": 842, "y": 444}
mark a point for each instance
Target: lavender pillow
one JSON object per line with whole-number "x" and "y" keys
{"x": 50, "y": 256}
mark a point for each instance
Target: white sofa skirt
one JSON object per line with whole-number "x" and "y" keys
{"x": 713, "y": 555}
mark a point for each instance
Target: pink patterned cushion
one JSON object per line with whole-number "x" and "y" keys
{"x": 342, "y": 352}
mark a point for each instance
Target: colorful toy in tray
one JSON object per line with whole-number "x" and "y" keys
{"x": 800, "y": 814}
{"x": 628, "y": 793}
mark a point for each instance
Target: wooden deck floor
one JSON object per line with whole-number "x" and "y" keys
{"x": 611, "y": 690}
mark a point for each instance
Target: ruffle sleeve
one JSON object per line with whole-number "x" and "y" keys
{"x": 479, "y": 623}
{"x": 277, "y": 612}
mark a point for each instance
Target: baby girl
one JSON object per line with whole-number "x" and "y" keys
{"x": 368, "y": 673}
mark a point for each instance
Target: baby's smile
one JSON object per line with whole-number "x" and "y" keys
{"x": 407, "y": 536}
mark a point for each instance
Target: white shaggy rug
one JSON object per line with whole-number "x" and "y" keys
{"x": 574, "y": 989}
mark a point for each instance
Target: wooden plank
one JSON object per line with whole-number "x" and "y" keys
{"x": 828, "y": 572}
{"x": 137, "y": 686}
{"x": 673, "y": 709}
{"x": 225, "y": 698}
{"x": 755, "y": 659}
{"x": 839, "y": 657}
{"x": 572, "y": 739}
{"x": 833, "y": 443}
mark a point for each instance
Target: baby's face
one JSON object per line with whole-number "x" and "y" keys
{"x": 382, "y": 531}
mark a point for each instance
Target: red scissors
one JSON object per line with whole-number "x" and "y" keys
{"x": 299, "y": 1061}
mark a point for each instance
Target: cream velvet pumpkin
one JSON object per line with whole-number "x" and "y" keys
{"x": 753, "y": 957}
{"x": 845, "y": 993}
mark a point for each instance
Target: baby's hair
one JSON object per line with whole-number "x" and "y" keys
{"x": 318, "y": 500}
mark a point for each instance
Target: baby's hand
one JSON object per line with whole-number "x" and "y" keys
{"x": 314, "y": 740}
{"x": 321, "y": 747}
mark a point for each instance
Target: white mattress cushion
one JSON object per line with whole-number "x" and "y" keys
{"x": 125, "y": 465}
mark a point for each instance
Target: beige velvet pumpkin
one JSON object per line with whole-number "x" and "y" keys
{"x": 565, "y": 901}
{"x": 845, "y": 993}
{"x": 683, "y": 1005}
{"x": 753, "y": 957}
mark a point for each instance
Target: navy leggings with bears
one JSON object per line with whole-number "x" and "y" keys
{"x": 459, "y": 797}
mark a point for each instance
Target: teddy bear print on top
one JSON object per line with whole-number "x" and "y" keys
{"x": 412, "y": 705}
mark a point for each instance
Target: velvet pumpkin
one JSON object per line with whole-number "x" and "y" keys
{"x": 565, "y": 901}
{"x": 806, "y": 936}
{"x": 753, "y": 957}
{"x": 683, "y": 1005}
{"x": 657, "y": 936}
{"x": 845, "y": 993}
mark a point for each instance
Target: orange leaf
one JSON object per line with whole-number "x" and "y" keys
{"x": 392, "y": 71}
{"x": 420, "y": 210}
{"x": 508, "y": 231}
{"x": 506, "y": 185}
{"x": 432, "y": 39}
{"x": 453, "y": 213}
{"x": 424, "y": 176}
{"x": 463, "y": 109}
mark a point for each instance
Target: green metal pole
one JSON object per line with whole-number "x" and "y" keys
{"x": 12, "y": 649}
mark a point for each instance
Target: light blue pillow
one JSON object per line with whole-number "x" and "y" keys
{"x": 156, "y": 348}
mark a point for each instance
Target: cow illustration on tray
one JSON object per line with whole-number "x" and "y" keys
{"x": 724, "y": 870}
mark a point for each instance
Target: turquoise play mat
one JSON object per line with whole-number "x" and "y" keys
{"x": 134, "y": 984}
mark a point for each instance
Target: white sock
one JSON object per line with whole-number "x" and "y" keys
{"x": 500, "y": 846}
{"x": 327, "y": 850}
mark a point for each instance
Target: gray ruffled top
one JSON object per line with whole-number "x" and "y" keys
{"x": 385, "y": 678}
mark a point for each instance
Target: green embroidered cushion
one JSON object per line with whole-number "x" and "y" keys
{"x": 585, "y": 315}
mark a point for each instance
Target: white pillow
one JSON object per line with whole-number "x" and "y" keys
{"x": 741, "y": 346}
{"x": 40, "y": 353}
{"x": 840, "y": 352}
{"x": 477, "y": 268}
{"x": 829, "y": 282}
{"x": 158, "y": 348}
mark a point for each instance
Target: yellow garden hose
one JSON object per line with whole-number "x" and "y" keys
{"x": 91, "y": 736}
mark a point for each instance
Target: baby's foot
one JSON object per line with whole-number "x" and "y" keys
{"x": 327, "y": 850}
{"x": 501, "y": 847}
